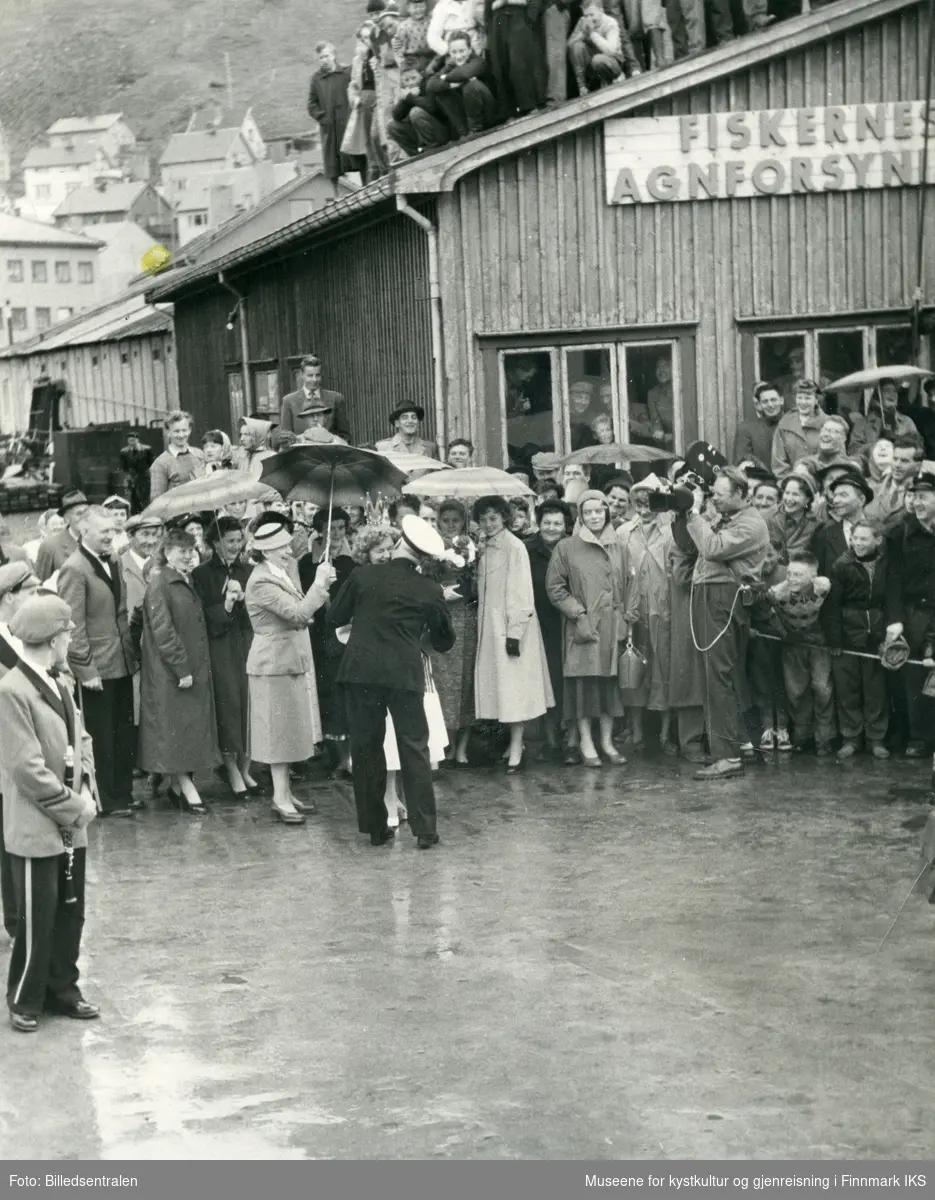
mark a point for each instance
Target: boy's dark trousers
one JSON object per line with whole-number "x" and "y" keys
{"x": 806, "y": 671}
{"x": 861, "y": 698}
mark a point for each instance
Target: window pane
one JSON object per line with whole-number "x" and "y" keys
{"x": 266, "y": 391}
{"x": 782, "y": 362}
{"x": 62, "y": 314}
{"x": 839, "y": 353}
{"x": 235, "y": 392}
{"x": 590, "y": 397}
{"x": 63, "y": 272}
{"x": 528, "y": 405}
{"x": 85, "y": 272}
{"x": 40, "y": 272}
{"x": 18, "y": 319}
{"x": 894, "y": 346}
{"x": 43, "y": 319}
{"x": 14, "y": 270}
{"x": 650, "y": 396}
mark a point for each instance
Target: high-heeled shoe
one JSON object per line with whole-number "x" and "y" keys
{"x": 515, "y": 768}
{"x": 613, "y": 758}
{"x": 303, "y": 806}
{"x": 588, "y": 760}
{"x": 180, "y": 801}
{"x": 288, "y": 818}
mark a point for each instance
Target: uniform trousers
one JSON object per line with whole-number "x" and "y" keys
{"x": 44, "y": 961}
{"x": 725, "y": 696}
{"x": 806, "y": 671}
{"x": 6, "y": 883}
{"x": 108, "y": 718}
{"x": 367, "y": 706}
{"x": 860, "y": 696}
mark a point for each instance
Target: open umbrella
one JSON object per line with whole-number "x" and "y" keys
{"x": 463, "y": 483}
{"x": 210, "y": 492}
{"x": 408, "y": 463}
{"x": 615, "y": 453}
{"x": 328, "y": 474}
{"x": 859, "y": 380}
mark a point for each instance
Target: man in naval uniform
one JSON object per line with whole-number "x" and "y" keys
{"x": 47, "y": 773}
{"x": 389, "y": 608}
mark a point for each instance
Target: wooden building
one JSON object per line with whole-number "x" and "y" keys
{"x": 662, "y": 243}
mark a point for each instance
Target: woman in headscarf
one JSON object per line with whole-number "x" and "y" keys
{"x": 285, "y": 725}
{"x": 221, "y": 584}
{"x": 178, "y": 725}
{"x": 555, "y": 521}
{"x": 454, "y": 671}
{"x": 587, "y": 582}
{"x": 254, "y": 448}
{"x": 327, "y": 651}
{"x": 647, "y": 541}
{"x": 511, "y": 679}
{"x": 217, "y": 450}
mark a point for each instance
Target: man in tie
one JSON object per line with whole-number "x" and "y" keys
{"x": 847, "y": 497}
{"x": 54, "y": 549}
{"x": 102, "y": 658}
{"x": 298, "y": 407}
{"x": 47, "y": 773}
{"x": 179, "y": 462}
{"x": 17, "y": 583}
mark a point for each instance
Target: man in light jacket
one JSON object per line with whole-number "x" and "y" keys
{"x": 599, "y": 49}
{"x": 47, "y": 772}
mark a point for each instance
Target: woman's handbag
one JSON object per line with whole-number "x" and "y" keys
{"x": 631, "y": 668}
{"x": 354, "y": 142}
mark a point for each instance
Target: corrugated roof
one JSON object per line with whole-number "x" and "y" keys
{"x": 19, "y": 231}
{"x": 126, "y": 316}
{"x": 364, "y": 198}
{"x": 84, "y": 124}
{"x": 116, "y": 197}
{"x": 199, "y": 146}
{"x": 80, "y": 155}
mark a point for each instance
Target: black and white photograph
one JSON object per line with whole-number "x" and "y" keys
{"x": 467, "y": 592}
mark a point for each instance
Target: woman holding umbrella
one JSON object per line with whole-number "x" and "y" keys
{"x": 285, "y": 725}
{"x": 221, "y": 584}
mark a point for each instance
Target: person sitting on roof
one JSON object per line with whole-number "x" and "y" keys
{"x": 462, "y": 88}
{"x": 599, "y": 49}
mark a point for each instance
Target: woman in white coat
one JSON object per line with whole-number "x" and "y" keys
{"x": 511, "y": 676}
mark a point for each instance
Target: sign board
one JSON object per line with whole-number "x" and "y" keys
{"x": 776, "y": 152}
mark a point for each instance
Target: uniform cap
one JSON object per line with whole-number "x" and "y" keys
{"x": 40, "y": 619}
{"x": 852, "y": 479}
{"x": 925, "y": 480}
{"x": 421, "y": 537}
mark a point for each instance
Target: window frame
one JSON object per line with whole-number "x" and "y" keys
{"x": 39, "y": 266}
{"x": 554, "y": 368}
{"x": 85, "y": 263}
{"x": 40, "y": 327}
{"x": 63, "y": 275}
{"x": 11, "y": 275}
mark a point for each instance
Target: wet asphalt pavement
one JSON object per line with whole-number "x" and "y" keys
{"x": 606, "y": 964}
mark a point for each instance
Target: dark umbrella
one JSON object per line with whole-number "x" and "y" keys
{"x": 329, "y": 473}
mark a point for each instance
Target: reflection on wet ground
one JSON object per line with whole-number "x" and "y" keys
{"x": 592, "y": 965}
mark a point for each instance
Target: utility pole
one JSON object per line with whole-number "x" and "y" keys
{"x": 230, "y": 81}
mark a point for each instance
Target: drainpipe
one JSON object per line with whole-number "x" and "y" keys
{"x": 438, "y": 345}
{"x": 244, "y": 343}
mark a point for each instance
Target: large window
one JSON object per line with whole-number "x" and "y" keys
{"x": 235, "y": 395}
{"x": 567, "y": 397}
{"x": 63, "y": 272}
{"x": 40, "y": 271}
{"x": 18, "y": 320}
{"x": 43, "y": 319}
{"x": 85, "y": 272}
{"x": 14, "y": 270}
{"x": 266, "y": 391}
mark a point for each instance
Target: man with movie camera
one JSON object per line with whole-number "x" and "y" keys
{"x": 729, "y": 554}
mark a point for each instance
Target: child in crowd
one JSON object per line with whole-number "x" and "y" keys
{"x": 764, "y": 658}
{"x": 806, "y": 661}
{"x": 853, "y": 619}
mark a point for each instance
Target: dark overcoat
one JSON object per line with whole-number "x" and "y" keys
{"x": 329, "y": 106}
{"x": 230, "y": 635}
{"x": 178, "y": 730}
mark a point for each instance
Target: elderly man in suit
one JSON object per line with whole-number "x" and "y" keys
{"x": 54, "y": 550}
{"x": 17, "y": 583}
{"x": 47, "y": 771}
{"x": 102, "y": 657}
{"x": 298, "y": 406}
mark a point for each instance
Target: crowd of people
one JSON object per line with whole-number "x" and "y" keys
{"x": 428, "y": 74}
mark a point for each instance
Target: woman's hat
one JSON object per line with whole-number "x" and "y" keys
{"x": 271, "y": 531}
{"x": 652, "y": 483}
{"x": 116, "y": 502}
{"x": 591, "y": 494}
{"x": 407, "y": 408}
{"x": 800, "y": 477}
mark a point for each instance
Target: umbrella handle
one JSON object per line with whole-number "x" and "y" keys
{"x": 327, "y": 554}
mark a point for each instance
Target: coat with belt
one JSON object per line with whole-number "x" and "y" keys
{"x": 588, "y": 583}
{"x": 508, "y": 689}
{"x": 178, "y": 731}
{"x": 100, "y": 644}
{"x": 794, "y": 440}
{"x": 37, "y": 805}
{"x": 280, "y": 616}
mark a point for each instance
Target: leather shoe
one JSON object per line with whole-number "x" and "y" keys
{"x": 136, "y": 805}
{"x": 426, "y": 843}
{"x": 80, "y": 1011}
{"x": 381, "y": 838}
{"x": 23, "y": 1023}
{"x": 724, "y": 768}
{"x": 116, "y": 812}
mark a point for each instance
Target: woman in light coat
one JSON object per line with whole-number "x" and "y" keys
{"x": 284, "y": 721}
{"x": 798, "y": 432}
{"x": 511, "y": 676}
{"x": 587, "y": 582}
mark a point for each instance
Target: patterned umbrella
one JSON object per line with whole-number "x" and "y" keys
{"x": 468, "y": 482}
{"x": 208, "y": 493}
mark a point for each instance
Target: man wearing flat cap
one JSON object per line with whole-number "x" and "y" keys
{"x": 910, "y": 601}
{"x": 17, "y": 583}
{"x": 295, "y": 413}
{"x": 389, "y": 608}
{"x": 47, "y": 773}
{"x": 406, "y": 419}
{"x": 56, "y": 548}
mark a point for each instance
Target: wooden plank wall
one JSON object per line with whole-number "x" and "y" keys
{"x": 131, "y": 380}
{"x": 529, "y": 244}
{"x": 361, "y": 303}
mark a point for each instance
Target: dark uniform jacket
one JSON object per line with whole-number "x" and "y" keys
{"x": 390, "y": 605}
{"x": 910, "y": 584}
{"x": 828, "y": 544}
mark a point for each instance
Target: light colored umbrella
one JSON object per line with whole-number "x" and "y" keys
{"x": 859, "y": 380}
{"x": 464, "y": 483}
{"x": 408, "y": 463}
{"x": 615, "y": 453}
{"x": 210, "y": 492}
